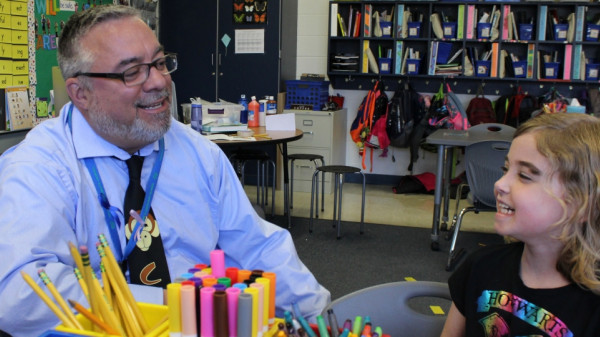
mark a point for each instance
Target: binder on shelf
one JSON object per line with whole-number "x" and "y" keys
{"x": 513, "y": 22}
{"x": 542, "y": 17}
{"x": 567, "y": 62}
{"x": 349, "y": 30}
{"x": 576, "y": 72}
{"x": 432, "y": 57}
{"x": 333, "y": 21}
{"x": 460, "y": 22}
{"x": 367, "y": 20}
{"x": 530, "y": 59}
{"x": 505, "y": 22}
{"x": 357, "y": 18}
{"x": 365, "y": 57}
{"x": 571, "y": 27}
{"x": 400, "y": 21}
{"x": 471, "y": 20}
{"x": 579, "y": 23}
{"x": 398, "y": 69}
{"x": 342, "y": 25}
{"x": 494, "y": 63}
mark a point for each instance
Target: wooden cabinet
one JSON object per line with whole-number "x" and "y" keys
{"x": 428, "y": 42}
{"x": 324, "y": 133}
{"x": 204, "y": 35}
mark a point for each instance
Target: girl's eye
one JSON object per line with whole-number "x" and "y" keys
{"x": 524, "y": 176}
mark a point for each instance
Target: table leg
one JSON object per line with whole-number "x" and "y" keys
{"x": 286, "y": 181}
{"x": 437, "y": 198}
{"x": 448, "y": 158}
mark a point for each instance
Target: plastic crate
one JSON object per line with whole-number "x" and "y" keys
{"x": 306, "y": 95}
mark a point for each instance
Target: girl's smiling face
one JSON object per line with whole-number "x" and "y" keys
{"x": 527, "y": 196}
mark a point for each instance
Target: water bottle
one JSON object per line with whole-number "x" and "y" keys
{"x": 196, "y": 116}
{"x": 262, "y": 110}
{"x": 271, "y": 106}
{"x": 244, "y": 113}
{"x": 253, "y": 112}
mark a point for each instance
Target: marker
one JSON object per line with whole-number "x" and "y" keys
{"x": 260, "y": 318}
{"x": 357, "y": 326}
{"x": 347, "y": 324}
{"x": 254, "y": 292}
{"x": 174, "y": 301}
{"x": 232, "y": 274}
{"x": 188, "y": 311}
{"x": 221, "y": 317}
{"x": 232, "y": 309}
{"x": 302, "y": 320}
{"x": 244, "y": 322}
{"x": 345, "y": 332}
{"x": 272, "y": 291}
{"x": 333, "y": 324}
{"x": 267, "y": 321}
{"x": 207, "y": 314}
{"x": 322, "y": 326}
{"x": 217, "y": 263}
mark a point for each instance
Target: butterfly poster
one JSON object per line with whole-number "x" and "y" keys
{"x": 249, "y": 12}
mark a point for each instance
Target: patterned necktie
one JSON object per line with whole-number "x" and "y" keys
{"x": 147, "y": 262}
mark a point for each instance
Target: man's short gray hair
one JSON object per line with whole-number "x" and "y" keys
{"x": 72, "y": 58}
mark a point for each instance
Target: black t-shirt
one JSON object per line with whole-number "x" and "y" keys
{"x": 489, "y": 292}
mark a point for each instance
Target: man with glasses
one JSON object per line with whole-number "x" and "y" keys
{"x": 67, "y": 180}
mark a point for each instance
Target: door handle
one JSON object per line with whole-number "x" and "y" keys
{"x": 307, "y": 132}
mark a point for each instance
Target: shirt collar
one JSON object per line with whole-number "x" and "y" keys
{"x": 89, "y": 144}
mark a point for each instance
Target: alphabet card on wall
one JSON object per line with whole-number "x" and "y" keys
{"x": 18, "y": 113}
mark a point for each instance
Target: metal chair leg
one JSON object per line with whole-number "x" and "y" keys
{"x": 362, "y": 207}
{"x": 312, "y": 199}
{"x": 340, "y": 183}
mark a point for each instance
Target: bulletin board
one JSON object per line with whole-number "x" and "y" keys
{"x": 47, "y": 19}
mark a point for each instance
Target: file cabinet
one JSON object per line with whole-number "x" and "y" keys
{"x": 324, "y": 133}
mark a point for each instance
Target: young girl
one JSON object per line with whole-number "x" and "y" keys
{"x": 546, "y": 281}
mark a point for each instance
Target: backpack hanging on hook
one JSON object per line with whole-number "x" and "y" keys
{"x": 369, "y": 126}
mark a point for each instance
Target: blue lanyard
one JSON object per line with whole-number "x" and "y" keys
{"x": 110, "y": 212}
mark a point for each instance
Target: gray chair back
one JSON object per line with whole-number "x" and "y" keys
{"x": 388, "y": 307}
{"x": 483, "y": 166}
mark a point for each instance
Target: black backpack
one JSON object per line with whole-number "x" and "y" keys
{"x": 405, "y": 110}
{"x": 520, "y": 107}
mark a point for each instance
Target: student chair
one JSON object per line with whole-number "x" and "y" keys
{"x": 483, "y": 166}
{"x": 263, "y": 160}
{"x": 338, "y": 172}
{"x": 401, "y": 309}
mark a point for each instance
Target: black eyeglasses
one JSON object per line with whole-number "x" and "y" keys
{"x": 139, "y": 73}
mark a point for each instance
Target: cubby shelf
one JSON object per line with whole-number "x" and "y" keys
{"x": 567, "y": 45}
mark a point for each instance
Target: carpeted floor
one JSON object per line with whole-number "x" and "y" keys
{"x": 384, "y": 253}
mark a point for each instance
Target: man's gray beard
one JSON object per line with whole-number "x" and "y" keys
{"x": 139, "y": 131}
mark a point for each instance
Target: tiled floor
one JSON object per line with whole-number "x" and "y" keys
{"x": 382, "y": 206}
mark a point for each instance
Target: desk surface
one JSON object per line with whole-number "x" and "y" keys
{"x": 467, "y": 137}
{"x": 274, "y": 137}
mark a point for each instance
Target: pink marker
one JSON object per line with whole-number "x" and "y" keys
{"x": 188, "y": 311}
{"x": 232, "y": 309}
{"x": 206, "y": 312}
{"x": 217, "y": 263}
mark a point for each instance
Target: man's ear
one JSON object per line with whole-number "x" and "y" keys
{"x": 77, "y": 92}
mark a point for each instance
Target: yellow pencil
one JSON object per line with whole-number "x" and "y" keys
{"x": 120, "y": 282}
{"x": 161, "y": 327}
{"x": 81, "y": 281}
{"x": 55, "y": 309}
{"x": 61, "y": 302}
{"x": 93, "y": 318}
{"x": 76, "y": 256}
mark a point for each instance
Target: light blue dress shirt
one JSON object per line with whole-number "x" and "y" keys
{"x": 48, "y": 199}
